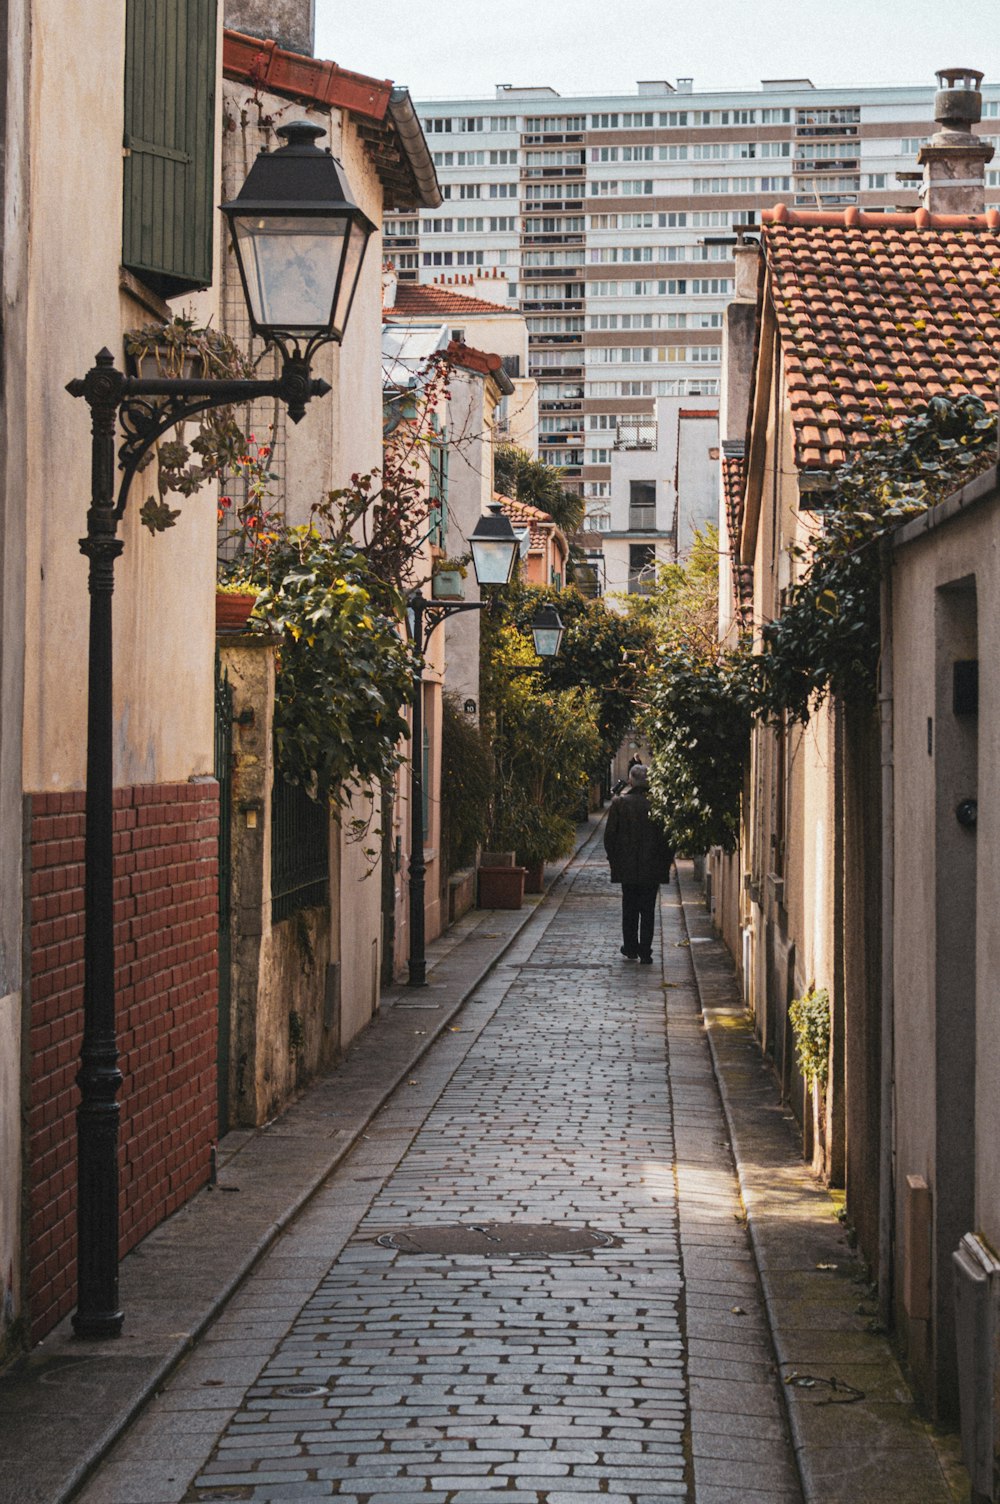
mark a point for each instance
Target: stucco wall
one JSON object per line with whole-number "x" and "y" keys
{"x": 934, "y": 1087}
{"x": 13, "y": 465}
{"x": 340, "y": 435}
{"x": 164, "y": 631}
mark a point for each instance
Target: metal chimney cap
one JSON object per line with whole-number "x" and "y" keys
{"x": 959, "y": 78}
{"x": 958, "y": 104}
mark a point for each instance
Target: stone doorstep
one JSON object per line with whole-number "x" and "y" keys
{"x": 847, "y": 1452}
{"x": 67, "y": 1403}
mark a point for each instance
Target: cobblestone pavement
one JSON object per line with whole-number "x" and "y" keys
{"x": 636, "y": 1372}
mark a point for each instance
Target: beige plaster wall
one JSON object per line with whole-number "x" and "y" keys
{"x": 792, "y": 819}
{"x": 164, "y": 628}
{"x": 966, "y": 547}
{"x": 13, "y": 468}
{"x": 340, "y": 435}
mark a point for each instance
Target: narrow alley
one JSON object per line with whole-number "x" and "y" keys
{"x": 614, "y": 1342}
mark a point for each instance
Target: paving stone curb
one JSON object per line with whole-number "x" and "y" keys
{"x": 64, "y": 1406}
{"x": 864, "y": 1443}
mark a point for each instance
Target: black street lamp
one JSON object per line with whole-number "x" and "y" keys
{"x": 547, "y": 630}
{"x": 495, "y": 552}
{"x": 300, "y": 241}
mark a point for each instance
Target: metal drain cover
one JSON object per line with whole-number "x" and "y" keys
{"x": 497, "y": 1239}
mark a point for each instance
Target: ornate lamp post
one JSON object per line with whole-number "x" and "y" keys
{"x": 495, "y": 553}
{"x": 300, "y": 241}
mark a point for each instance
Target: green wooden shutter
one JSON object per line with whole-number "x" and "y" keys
{"x": 169, "y": 214}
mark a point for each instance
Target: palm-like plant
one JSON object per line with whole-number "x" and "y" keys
{"x": 518, "y": 474}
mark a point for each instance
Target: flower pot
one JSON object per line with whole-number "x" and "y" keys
{"x": 232, "y": 611}
{"x": 501, "y": 887}
{"x": 534, "y": 877}
{"x": 448, "y": 585}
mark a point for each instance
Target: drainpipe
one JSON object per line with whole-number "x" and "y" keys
{"x": 887, "y": 1125}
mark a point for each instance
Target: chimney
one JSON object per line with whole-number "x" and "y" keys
{"x": 953, "y": 159}
{"x": 390, "y": 282}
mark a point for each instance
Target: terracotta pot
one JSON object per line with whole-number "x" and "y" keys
{"x": 534, "y": 880}
{"x": 232, "y": 611}
{"x": 501, "y": 887}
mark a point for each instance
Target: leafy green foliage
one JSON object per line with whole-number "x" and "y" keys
{"x": 698, "y": 719}
{"x": 826, "y": 640}
{"x": 177, "y": 348}
{"x": 344, "y": 669}
{"x": 519, "y": 474}
{"x": 809, "y": 1016}
{"x": 600, "y": 651}
{"x": 698, "y": 704}
{"x": 466, "y": 784}
{"x": 545, "y": 743}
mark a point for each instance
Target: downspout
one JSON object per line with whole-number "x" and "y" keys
{"x": 887, "y": 1156}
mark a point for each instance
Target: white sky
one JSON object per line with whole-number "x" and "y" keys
{"x": 463, "y": 48}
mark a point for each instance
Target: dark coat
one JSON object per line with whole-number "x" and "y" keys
{"x": 636, "y": 844}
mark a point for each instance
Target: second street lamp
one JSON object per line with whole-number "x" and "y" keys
{"x": 495, "y": 553}
{"x": 300, "y": 241}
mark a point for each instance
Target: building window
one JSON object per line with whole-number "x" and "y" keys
{"x": 641, "y": 568}
{"x": 641, "y": 506}
{"x": 169, "y": 207}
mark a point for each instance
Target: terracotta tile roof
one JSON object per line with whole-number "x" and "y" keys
{"x": 424, "y": 300}
{"x": 699, "y": 412}
{"x": 307, "y": 78}
{"x": 461, "y": 354}
{"x": 733, "y": 481}
{"x": 383, "y": 114}
{"x": 539, "y": 523}
{"x": 878, "y": 313}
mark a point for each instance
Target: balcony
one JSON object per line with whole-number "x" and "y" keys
{"x": 552, "y": 240}
{"x": 552, "y": 305}
{"x": 550, "y": 273}
{"x": 635, "y": 433}
{"x": 826, "y": 164}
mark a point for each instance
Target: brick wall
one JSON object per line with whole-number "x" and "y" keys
{"x": 166, "y": 900}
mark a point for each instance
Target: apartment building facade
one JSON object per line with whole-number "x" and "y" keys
{"x": 614, "y": 221}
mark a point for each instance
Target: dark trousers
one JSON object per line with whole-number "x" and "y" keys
{"x": 638, "y": 913}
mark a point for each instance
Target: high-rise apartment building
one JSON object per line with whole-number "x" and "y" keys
{"x": 614, "y": 221}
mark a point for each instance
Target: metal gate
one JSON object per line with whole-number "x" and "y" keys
{"x": 224, "y": 773}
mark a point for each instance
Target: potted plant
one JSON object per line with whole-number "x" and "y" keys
{"x": 181, "y": 348}
{"x": 234, "y": 601}
{"x": 448, "y": 577}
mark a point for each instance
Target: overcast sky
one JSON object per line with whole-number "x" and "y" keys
{"x": 456, "y": 48}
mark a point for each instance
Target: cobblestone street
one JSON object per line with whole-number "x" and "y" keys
{"x": 565, "y": 1093}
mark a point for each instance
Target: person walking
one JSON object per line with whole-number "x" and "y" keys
{"x": 641, "y": 858}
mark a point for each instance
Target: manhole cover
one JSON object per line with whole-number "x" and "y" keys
{"x": 495, "y": 1239}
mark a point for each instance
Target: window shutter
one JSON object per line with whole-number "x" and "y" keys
{"x": 169, "y": 214}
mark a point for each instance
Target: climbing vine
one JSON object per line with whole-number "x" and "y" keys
{"x": 809, "y": 1016}
{"x": 826, "y": 640}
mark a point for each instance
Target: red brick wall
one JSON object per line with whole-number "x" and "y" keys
{"x": 166, "y": 898}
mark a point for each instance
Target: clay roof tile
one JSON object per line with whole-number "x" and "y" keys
{"x": 877, "y": 313}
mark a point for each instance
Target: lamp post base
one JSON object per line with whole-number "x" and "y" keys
{"x": 98, "y": 1325}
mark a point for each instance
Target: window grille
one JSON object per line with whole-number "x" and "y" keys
{"x": 300, "y": 849}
